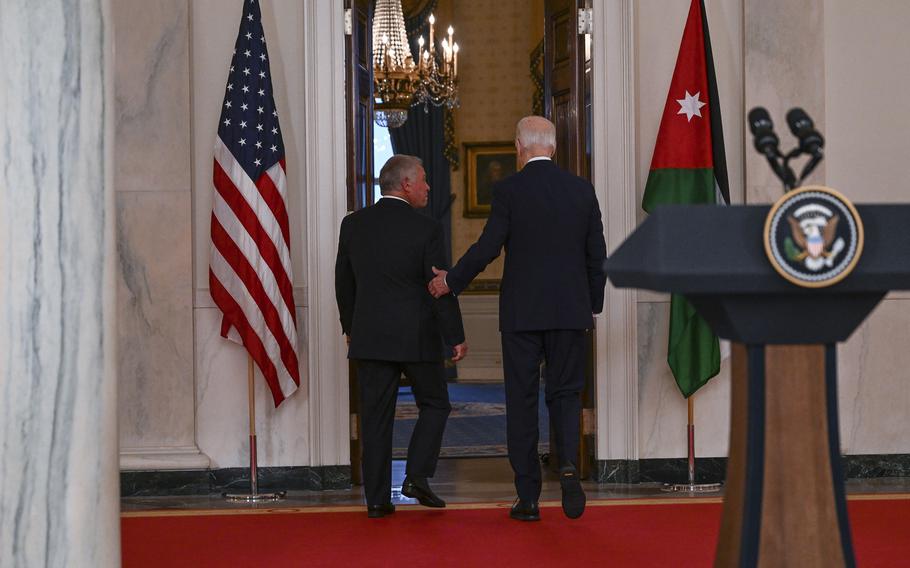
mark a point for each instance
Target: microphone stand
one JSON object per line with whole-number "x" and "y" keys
{"x": 810, "y": 165}
{"x": 780, "y": 165}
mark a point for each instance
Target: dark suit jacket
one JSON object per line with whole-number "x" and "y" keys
{"x": 385, "y": 255}
{"x": 548, "y": 220}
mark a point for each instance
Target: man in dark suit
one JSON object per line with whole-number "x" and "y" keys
{"x": 386, "y": 254}
{"x": 549, "y": 222}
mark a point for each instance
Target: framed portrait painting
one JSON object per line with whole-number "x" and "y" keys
{"x": 486, "y": 163}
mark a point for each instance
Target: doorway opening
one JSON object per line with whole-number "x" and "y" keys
{"x": 518, "y": 57}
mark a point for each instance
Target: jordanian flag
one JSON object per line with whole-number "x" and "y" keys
{"x": 689, "y": 166}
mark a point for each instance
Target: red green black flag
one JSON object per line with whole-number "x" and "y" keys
{"x": 689, "y": 166}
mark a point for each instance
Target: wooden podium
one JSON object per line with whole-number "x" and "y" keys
{"x": 784, "y": 502}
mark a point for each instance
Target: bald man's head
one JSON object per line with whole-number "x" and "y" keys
{"x": 534, "y": 136}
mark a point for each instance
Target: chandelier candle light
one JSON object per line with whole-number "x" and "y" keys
{"x": 399, "y": 83}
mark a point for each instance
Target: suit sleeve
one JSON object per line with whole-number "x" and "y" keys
{"x": 446, "y": 308}
{"x": 596, "y": 252}
{"x": 487, "y": 247}
{"x": 345, "y": 285}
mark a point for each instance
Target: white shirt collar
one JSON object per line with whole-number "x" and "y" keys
{"x": 534, "y": 159}
{"x": 395, "y": 197}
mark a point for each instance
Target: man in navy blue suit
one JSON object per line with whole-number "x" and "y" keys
{"x": 549, "y": 222}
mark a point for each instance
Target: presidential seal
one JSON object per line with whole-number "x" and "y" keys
{"x": 813, "y": 236}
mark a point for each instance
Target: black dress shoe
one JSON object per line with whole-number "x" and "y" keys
{"x": 419, "y": 489}
{"x": 378, "y": 511}
{"x": 525, "y": 511}
{"x": 573, "y": 496}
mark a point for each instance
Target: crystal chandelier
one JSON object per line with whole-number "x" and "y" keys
{"x": 436, "y": 79}
{"x": 397, "y": 81}
{"x": 394, "y": 72}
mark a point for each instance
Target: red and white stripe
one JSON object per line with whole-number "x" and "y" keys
{"x": 250, "y": 269}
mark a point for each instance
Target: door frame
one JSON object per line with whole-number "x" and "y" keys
{"x": 614, "y": 169}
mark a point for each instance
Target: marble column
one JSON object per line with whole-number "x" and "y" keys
{"x": 59, "y": 485}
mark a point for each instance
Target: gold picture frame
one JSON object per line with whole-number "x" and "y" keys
{"x": 486, "y": 163}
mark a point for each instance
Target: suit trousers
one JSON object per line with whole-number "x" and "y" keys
{"x": 563, "y": 350}
{"x": 378, "y": 394}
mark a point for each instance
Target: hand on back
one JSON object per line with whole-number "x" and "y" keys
{"x": 437, "y": 286}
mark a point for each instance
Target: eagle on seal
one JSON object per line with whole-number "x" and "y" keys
{"x": 813, "y": 241}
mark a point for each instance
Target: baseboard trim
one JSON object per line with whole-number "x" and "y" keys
{"x": 713, "y": 470}
{"x": 324, "y": 478}
{"x": 233, "y": 479}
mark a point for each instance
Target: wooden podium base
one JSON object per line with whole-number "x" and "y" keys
{"x": 784, "y": 503}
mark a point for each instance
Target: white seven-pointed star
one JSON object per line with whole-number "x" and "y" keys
{"x": 690, "y": 106}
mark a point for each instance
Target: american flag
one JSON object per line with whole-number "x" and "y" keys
{"x": 250, "y": 268}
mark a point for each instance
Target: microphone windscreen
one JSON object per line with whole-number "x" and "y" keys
{"x": 759, "y": 119}
{"x": 798, "y": 121}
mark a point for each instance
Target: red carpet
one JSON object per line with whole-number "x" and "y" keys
{"x": 611, "y": 533}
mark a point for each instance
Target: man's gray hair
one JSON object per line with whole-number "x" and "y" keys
{"x": 396, "y": 169}
{"x": 536, "y": 131}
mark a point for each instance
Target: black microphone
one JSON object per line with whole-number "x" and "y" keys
{"x": 810, "y": 140}
{"x": 766, "y": 141}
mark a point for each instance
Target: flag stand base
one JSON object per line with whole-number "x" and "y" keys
{"x": 691, "y": 487}
{"x": 254, "y": 496}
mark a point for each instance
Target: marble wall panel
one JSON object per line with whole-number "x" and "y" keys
{"x": 222, "y": 404}
{"x": 662, "y": 413}
{"x": 784, "y": 68}
{"x": 155, "y": 319}
{"x": 152, "y": 85}
{"x": 866, "y": 148}
{"x": 874, "y": 383}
